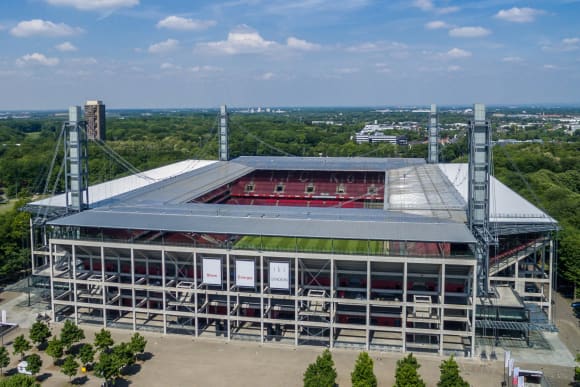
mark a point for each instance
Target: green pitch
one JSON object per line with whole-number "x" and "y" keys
{"x": 339, "y": 246}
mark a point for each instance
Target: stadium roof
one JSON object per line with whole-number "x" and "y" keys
{"x": 422, "y": 202}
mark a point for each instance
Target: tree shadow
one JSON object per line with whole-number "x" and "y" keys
{"x": 42, "y": 377}
{"x": 120, "y": 382}
{"x": 145, "y": 356}
{"x": 10, "y": 371}
{"x": 42, "y": 346}
{"x": 132, "y": 369}
{"x": 78, "y": 381}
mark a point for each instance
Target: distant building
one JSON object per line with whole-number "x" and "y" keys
{"x": 74, "y": 114}
{"x": 95, "y": 117}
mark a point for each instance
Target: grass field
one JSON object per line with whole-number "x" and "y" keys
{"x": 344, "y": 246}
{"x": 7, "y": 206}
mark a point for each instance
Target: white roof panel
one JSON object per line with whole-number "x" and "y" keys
{"x": 110, "y": 189}
{"x": 506, "y": 206}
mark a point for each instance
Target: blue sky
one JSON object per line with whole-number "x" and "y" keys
{"x": 174, "y": 53}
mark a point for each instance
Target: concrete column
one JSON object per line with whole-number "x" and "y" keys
{"x": 551, "y": 258}
{"x": 51, "y": 268}
{"x": 473, "y": 303}
{"x": 74, "y": 275}
{"x": 331, "y": 308}
{"x": 296, "y": 306}
{"x": 404, "y": 309}
{"x": 228, "y": 296}
{"x": 164, "y": 295}
{"x": 368, "y": 305}
{"x": 195, "y": 302}
{"x": 261, "y": 299}
{"x": 133, "y": 298}
{"x": 442, "y": 310}
{"x": 103, "y": 287}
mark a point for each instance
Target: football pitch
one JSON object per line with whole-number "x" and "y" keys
{"x": 339, "y": 246}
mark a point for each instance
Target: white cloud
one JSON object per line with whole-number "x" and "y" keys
{"x": 424, "y": 5}
{"x": 469, "y": 32}
{"x": 437, "y": 25}
{"x": 163, "y": 47}
{"x": 300, "y": 44}
{"x": 205, "y": 69}
{"x": 95, "y": 5}
{"x": 36, "y": 59}
{"x": 185, "y": 24}
{"x": 38, "y": 27}
{"x": 519, "y": 15}
{"x": 65, "y": 47}
{"x": 347, "y": 70}
{"x": 512, "y": 59}
{"x": 571, "y": 41}
{"x": 457, "y": 53}
{"x": 169, "y": 66}
{"x": 454, "y": 68}
{"x": 550, "y": 67}
{"x": 446, "y": 10}
{"x": 84, "y": 61}
{"x": 566, "y": 44}
{"x": 267, "y": 76}
{"x": 242, "y": 40}
{"x": 382, "y": 68}
{"x": 377, "y": 46}
{"x": 2, "y": 27}
{"x": 428, "y": 6}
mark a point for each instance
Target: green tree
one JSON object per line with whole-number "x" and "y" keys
{"x": 4, "y": 359}
{"x": 406, "y": 374}
{"x": 19, "y": 380}
{"x": 124, "y": 354}
{"x": 450, "y": 374}
{"x": 137, "y": 344}
{"x": 87, "y": 354}
{"x": 39, "y": 333}
{"x": 55, "y": 349}
{"x": 103, "y": 340}
{"x": 70, "y": 367}
{"x": 321, "y": 373}
{"x": 363, "y": 374}
{"x": 108, "y": 367}
{"x": 71, "y": 334}
{"x": 34, "y": 363}
{"x": 21, "y": 345}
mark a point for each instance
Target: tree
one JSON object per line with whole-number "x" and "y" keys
{"x": 406, "y": 373}
{"x": 450, "y": 374}
{"x": 87, "y": 354}
{"x": 21, "y": 345}
{"x": 108, "y": 367}
{"x": 321, "y": 373}
{"x": 19, "y": 380}
{"x": 137, "y": 344}
{"x": 34, "y": 363}
{"x": 71, "y": 334}
{"x": 103, "y": 340}
{"x": 4, "y": 359}
{"x": 363, "y": 375}
{"x": 70, "y": 367}
{"x": 54, "y": 349}
{"x": 124, "y": 354}
{"x": 39, "y": 333}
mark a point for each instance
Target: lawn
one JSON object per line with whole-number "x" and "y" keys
{"x": 341, "y": 246}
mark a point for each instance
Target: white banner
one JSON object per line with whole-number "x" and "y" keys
{"x": 212, "y": 271}
{"x": 521, "y": 381}
{"x": 510, "y": 367}
{"x": 245, "y": 273}
{"x": 280, "y": 275}
{"x": 507, "y": 357}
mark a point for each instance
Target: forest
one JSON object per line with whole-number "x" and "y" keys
{"x": 547, "y": 174}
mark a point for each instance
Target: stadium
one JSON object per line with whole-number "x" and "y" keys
{"x": 373, "y": 253}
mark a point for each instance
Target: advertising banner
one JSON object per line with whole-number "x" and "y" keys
{"x": 245, "y": 273}
{"x": 212, "y": 271}
{"x": 280, "y": 275}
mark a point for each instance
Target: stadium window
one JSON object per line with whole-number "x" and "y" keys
{"x": 340, "y": 189}
{"x": 249, "y": 187}
{"x": 279, "y": 187}
{"x": 372, "y": 190}
{"x": 310, "y": 188}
